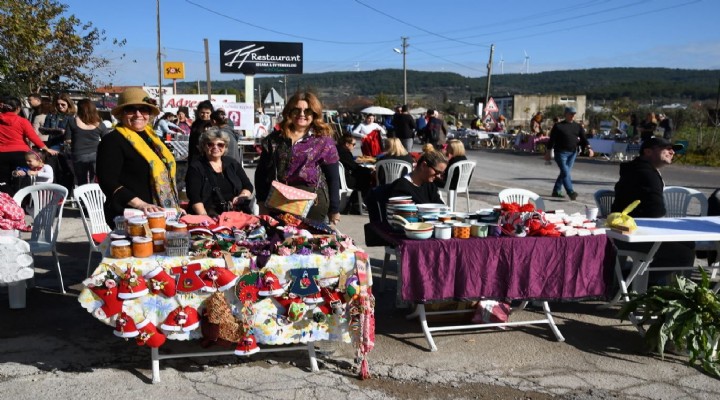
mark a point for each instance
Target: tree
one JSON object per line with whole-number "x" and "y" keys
{"x": 42, "y": 48}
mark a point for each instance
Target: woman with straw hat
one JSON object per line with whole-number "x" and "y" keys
{"x": 134, "y": 168}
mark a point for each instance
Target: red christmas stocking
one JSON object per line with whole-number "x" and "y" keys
{"x": 112, "y": 304}
{"x": 160, "y": 281}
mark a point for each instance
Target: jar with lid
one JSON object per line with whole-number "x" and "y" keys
{"x": 136, "y": 226}
{"x": 178, "y": 227}
{"x": 142, "y": 247}
{"x": 158, "y": 238}
{"x": 120, "y": 249}
{"x": 156, "y": 220}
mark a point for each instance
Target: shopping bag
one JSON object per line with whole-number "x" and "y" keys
{"x": 289, "y": 199}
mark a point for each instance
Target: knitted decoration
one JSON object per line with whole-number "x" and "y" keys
{"x": 218, "y": 313}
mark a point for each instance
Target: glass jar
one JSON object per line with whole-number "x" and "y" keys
{"x": 158, "y": 238}
{"x": 142, "y": 247}
{"x": 178, "y": 227}
{"x": 120, "y": 223}
{"x": 120, "y": 249}
{"x": 136, "y": 226}
{"x": 156, "y": 220}
{"x": 118, "y": 236}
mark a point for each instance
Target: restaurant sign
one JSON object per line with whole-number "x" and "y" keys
{"x": 252, "y": 58}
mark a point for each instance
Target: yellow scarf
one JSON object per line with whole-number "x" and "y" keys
{"x": 161, "y": 169}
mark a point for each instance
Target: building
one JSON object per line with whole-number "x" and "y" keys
{"x": 519, "y": 108}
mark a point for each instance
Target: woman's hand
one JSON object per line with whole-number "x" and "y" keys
{"x": 144, "y": 206}
{"x": 50, "y": 151}
{"x": 334, "y": 218}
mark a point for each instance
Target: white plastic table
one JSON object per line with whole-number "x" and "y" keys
{"x": 657, "y": 231}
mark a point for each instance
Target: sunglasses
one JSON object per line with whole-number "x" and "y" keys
{"x": 436, "y": 172}
{"x": 305, "y": 111}
{"x": 130, "y": 110}
{"x": 219, "y": 145}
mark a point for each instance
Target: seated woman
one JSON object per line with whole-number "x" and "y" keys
{"x": 455, "y": 152}
{"x": 215, "y": 182}
{"x": 394, "y": 150}
{"x": 356, "y": 176}
{"x": 419, "y": 184}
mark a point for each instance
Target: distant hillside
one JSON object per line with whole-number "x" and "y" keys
{"x": 643, "y": 85}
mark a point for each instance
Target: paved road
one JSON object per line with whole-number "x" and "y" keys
{"x": 55, "y": 349}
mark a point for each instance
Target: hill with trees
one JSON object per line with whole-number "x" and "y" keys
{"x": 642, "y": 85}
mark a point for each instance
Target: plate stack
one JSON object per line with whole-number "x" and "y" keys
{"x": 431, "y": 211}
{"x": 404, "y": 207}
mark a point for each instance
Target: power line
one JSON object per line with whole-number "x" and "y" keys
{"x": 283, "y": 33}
{"x": 420, "y": 28}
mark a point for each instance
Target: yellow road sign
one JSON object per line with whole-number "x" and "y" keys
{"x": 174, "y": 70}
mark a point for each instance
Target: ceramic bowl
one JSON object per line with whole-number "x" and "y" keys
{"x": 418, "y": 234}
{"x": 418, "y": 227}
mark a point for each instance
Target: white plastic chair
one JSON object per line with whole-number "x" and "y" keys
{"x": 91, "y": 199}
{"x": 48, "y": 219}
{"x": 521, "y": 196}
{"x": 40, "y": 196}
{"x": 392, "y": 170}
{"x": 346, "y": 192}
{"x": 678, "y": 201}
{"x": 604, "y": 199}
{"x": 465, "y": 169}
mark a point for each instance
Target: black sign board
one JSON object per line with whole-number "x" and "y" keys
{"x": 252, "y": 58}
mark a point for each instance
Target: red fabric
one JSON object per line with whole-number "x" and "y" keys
{"x": 11, "y": 215}
{"x": 372, "y": 144}
{"x": 98, "y": 237}
{"x": 237, "y": 219}
{"x": 14, "y": 129}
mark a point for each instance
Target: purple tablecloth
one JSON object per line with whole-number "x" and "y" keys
{"x": 506, "y": 268}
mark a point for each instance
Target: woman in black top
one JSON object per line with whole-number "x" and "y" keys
{"x": 215, "y": 182}
{"x": 83, "y": 133}
{"x": 455, "y": 153}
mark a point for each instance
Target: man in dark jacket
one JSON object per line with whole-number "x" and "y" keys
{"x": 640, "y": 179}
{"x": 404, "y": 127}
{"x": 565, "y": 137}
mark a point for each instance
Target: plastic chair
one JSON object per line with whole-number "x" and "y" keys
{"x": 678, "y": 201}
{"x": 376, "y": 203}
{"x": 521, "y": 196}
{"x": 48, "y": 219}
{"x": 604, "y": 199}
{"x": 40, "y": 196}
{"x": 91, "y": 199}
{"x": 346, "y": 192}
{"x": 465, "y": 169}
{"x": 392, "y": 170}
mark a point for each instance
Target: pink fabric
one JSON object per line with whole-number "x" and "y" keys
{"x": 12, "y": 215}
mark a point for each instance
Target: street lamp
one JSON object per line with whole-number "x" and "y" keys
{"x": 403, "y": 51}
{"x": 284, "y": 82}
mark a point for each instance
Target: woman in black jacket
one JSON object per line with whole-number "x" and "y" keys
{"x": 215, "y": 182}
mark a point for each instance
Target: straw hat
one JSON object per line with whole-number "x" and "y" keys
{"x": 135, "y": 97}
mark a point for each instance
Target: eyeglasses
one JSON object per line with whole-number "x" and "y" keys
{"x": 436, "y": 172}
{"x": 219, "y": 145}
{"x": 130, "y": 110}
{"x": 305, "y": 111}
{"x": 353, "y": 143}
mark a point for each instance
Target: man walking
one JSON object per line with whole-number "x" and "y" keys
{"x": 404, "y": 127}
{"x": 564, "y": 139}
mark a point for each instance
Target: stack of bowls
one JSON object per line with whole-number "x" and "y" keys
{"x": 431, "y": 211}
{"x": 402, "y": 206}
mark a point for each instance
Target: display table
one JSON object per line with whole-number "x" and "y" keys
{"x": 270, "y": 319}
{"x": 504, "y": 268}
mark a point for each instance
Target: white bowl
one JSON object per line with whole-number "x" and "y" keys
{"x": 419, "y": 234}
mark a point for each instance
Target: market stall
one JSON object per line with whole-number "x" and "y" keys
{"x": 266, "y": 283}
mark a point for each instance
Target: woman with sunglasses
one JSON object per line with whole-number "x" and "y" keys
{"x": 419, "y": 184}
{"x": 216, "y": 182}
{"x": 134, "y": 168}
{"x": 57, "y": 122}
{"x": 302, "y": 154}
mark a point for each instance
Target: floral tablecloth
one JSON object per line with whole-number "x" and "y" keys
{"x": 270, "y": 322}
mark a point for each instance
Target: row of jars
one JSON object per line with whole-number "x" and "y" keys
{"x": 130, "y": 239}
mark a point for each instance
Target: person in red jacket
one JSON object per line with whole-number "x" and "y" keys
{"x": 14, "y": 131}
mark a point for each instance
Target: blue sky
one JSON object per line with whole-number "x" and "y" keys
{"x": 455, "y": 35}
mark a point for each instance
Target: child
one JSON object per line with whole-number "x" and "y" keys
{"x": 36, "y": 168}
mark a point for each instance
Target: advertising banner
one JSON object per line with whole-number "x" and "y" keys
{"x": 242, "y": 115}
{"x": 251, "y": 58}
{"x": 171, "y": 103}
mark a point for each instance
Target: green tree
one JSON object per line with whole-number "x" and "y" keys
{"x": 42, "y": 47}
{"x": 383, "y": 100}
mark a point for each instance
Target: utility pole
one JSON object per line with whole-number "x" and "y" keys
{"x": 159, "y": 56}
{"x": 489, "y": 68}
{"x": 404, "y": 54}
{"x": 207, "y": 68}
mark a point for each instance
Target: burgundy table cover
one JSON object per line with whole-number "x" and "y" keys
{"x": 505, "y": 268}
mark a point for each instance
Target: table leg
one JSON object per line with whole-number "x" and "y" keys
{"x": 313, "y": 357}
{"x": 155, "y": 356}
{"x": 551, "y": 322}
{"x": 420, "y": 314}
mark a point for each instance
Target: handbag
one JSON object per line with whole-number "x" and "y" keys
{"x": 290, "y": 199}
